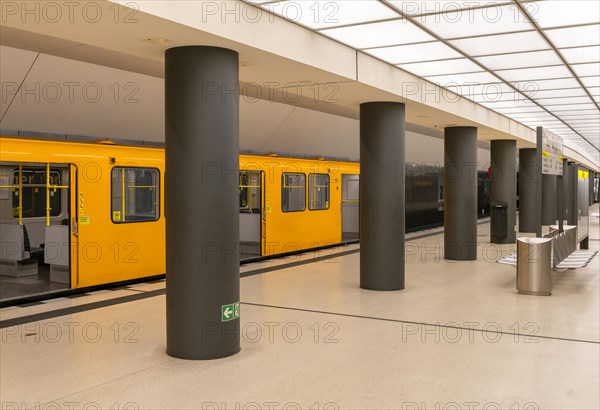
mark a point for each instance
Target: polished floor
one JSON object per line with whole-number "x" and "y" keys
{"x": 458, "y": 337}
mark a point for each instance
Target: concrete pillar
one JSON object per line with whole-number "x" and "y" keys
{"x": 382, "y": 212}
{"x": 528, "y": 181}
{"x": 201, "y": 195}
{"x": 460, "y": 184}
{"x": 503, "y": 185}
{"x": 548, "y": 199}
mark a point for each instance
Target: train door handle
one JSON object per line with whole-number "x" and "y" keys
{"x": 74, "y": 228}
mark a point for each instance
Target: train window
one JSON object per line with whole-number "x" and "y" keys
{"x": 318, "y": 192}
{"x": 135, "y": 194}
{"x": 293, "y": 192}
{"x": 34, "y": 193}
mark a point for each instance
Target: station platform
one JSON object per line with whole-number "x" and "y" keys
{"x": 458, "y": 337}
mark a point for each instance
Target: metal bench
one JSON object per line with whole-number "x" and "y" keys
{"x": 564, "y": 250}
{"x": 536, "y": 258}
{"x": 564, "y": 246}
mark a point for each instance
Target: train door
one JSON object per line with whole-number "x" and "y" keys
{"x": 350, "y": 207}
{"x": 74, "y": 226}
{"x": 251, "y": 214}
{"x": 35, "y": 210}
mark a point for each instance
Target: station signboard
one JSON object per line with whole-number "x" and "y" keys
{"x": 552, "y": 153}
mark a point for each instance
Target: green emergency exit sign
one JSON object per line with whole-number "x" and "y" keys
{"x": 230, "y": 312}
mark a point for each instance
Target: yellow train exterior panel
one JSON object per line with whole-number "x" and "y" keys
{"x": 103, "y": 251}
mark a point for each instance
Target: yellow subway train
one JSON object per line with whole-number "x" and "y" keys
{"x": 80, "y": 214}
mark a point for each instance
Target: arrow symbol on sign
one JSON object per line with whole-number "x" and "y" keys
{"x": 227, "y": 312}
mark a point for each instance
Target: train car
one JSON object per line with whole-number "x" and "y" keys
{"x": 425, "y": 196}
{"x": 75, "y": 215}
{"x": 289, "y": 204}
{"x": 80, "y": 214}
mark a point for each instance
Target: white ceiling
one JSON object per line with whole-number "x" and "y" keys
{"x": 274, "y": 49}
{"x": 62, "y": 96}
{"x": 137, "y": 114}
{"x": 537, "y": 62}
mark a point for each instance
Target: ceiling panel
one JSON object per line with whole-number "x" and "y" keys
{"x": 589, "y": 121}
{"x": 503, "y": 43}
{"x": 514, "y": 105}
{"x": 588, "y": 106}
{"x": 544, "y": 53}
{"x": 461, "y": 65}
{"x": 318, "y": 14}
{"x": 567, "y": 92}
{"x": 531, "y": 117}
{"x": 536, "y": 73}
{"x": 520, "y": 60}
{"x": 416, "y": 8}
{"x": 548, "y": 84}
{"x": 591, "y": 81}
{"x": 581, "y": 54}
{"x": 415, "y": 53}
{"x": 485, "y": 21}
{"x": 493, "y": 93}
{"x": 567, "y": 100}
{"x": 575, "y": 36}
{"x": 381, "y": 34}
{"x": 592, "y": 112}
{"x": 550, "y": 123}
{"x": 565, "y": 13}
{"x": 594, "y": 90}
{"x": 521, "y": 110}
{"x": 588, "y": 69}
{"x": 470, "y": 78}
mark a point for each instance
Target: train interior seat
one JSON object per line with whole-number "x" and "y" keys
{"x": 35, "y": 253}
{"x": 56, "y": 252}
{"x": 15, "y": 256}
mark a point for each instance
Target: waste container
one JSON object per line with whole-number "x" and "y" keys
{"x": 499, "y": 221}
{"x": 534, "y": 266}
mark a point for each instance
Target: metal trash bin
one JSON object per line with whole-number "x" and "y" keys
{"x": 534, "y": 266}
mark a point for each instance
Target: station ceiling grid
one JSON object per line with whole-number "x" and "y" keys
{"x": 534, "y": 61}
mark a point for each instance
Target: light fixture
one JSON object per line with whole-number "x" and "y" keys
{"x": 156, "y": 40}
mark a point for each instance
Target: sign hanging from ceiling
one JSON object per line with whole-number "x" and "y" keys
{"x": 552, "y": 153}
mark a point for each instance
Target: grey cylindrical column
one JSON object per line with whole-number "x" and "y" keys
{"x": 528, "y": 180}
{"x": 548, "y": 199}
{"x": 382, "y": 219}
{"x": 201, "y": 195}
{"x": 503, "y": 184}
{"x": 572, "y": 194}
{"x": 460, "y": 184}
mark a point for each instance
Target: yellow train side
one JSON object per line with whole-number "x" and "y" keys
{"x": 291, "y": 231}
{"x": 102, "y": 251}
